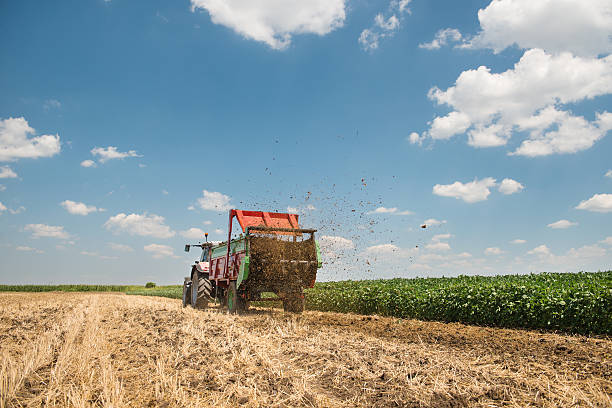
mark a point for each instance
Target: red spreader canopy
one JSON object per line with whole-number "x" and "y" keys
{"x": 264, "y": 219}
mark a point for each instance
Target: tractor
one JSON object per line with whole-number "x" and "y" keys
{"x": 272, "y": 254}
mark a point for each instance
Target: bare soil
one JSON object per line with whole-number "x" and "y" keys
{"x": 77, "y": 349}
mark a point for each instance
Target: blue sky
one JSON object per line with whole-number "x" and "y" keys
{"x": 127, "y": 129}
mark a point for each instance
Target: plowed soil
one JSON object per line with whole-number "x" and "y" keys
{"x": 60, "y": 349}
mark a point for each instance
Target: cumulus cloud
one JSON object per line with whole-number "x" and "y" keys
{"x": 439, "y": 237}
{"x": 78, "y": 208}
{"x": 28, "y": 249}
{"x": 493, "y": 251}
{"x": 472, "y": 192}
{"x": 15, "y": 143}
{"x": 562, "y": 224}
{"x": 438, "y": 246}
{"x": 526, "y": 99}
{"x": 120, "y": 247}
{"x": 385, "y": 25}
{"x": 442, "y": 38}
{"x": 609, "y": 173}
{"x": 88, "y": 163}
{"x": 607, "y": 241}
{"x": 430, "y": 222}
{"x": 193, "y": 233}
{"x": 509, "y": 186}
{"x": 393, "y": 210}
{"x": 47, "y": 231}
{"x": 541, "y": 250}
{"x": 214, "y": 201}
{"x": 51, "y": 104}
{"x": 160, "y": 251}
{"x": 140, "y": 224}
{"x": 382, "y": 249}
{"x": 275, "y": 22}
{"x": 578, "y": 26}
{"x": 333, "y": 245}
{"x": 518, "y": 241}
{"x": 7, "y": 172}
{"x": 2, "y": 207}
{"x": 105, "y": 154}
{"x": 598, "y": 203}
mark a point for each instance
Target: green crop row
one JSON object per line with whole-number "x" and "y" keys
{"x": 577, "y": 303}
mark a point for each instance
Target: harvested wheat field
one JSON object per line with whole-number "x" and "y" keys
{"x": 114, "y": 350}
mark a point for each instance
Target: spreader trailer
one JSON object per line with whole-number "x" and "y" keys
{"x": 272, "y": 254}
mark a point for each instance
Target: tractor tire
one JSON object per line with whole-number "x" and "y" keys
{"x": 235, "y": 303}
{"x": 186, "y": 292}
{"x": 201, "y": 290}
{"x": 293, "y": 304}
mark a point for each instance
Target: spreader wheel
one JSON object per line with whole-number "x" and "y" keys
{"x": 235, "y": 302}
{"x": 201, "y": 290}
{"x": 293, "y": 304}
{"x": 186, "y": 292}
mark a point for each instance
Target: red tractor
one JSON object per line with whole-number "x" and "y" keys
{"x": 273, "y": 254}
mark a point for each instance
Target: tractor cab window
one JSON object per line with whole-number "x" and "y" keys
{"x": 204, "y": 257}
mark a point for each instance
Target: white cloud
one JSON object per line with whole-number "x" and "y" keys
{"x": 393, "y": 210}
{"x": 160, "y": 251}
{"x": 191, "y": 208}
{"x": 438, "y": 246}
{"x": 598, "y": 203}
{"x": 97, "y": 255}
{"x": 607, "y": 241}
{"x": 562, "y": 224}
{"x": 19, "y": 210}
{"x": 218, "y": 231}
{"x": 193, "y": 233}
{"x": 165, "y": 192}
{"x": 2, "y": 187}
{"x": 518, "y": 241}
{"x": 111, "y": 153}
{"x": 15, "y": 144}
{"x": 474, "y": 191}
{"x": 140, "y": 224}
{"x": 47, "y": 231}
{"x": 578, "y": 26}
{"x": 541, "y": 250}
{"x": 77, "y": 208}
{"x": 88, "y": 163}
{"x": 385, "y": 25}
{"x": 439, "y": 237}
{"x": 509, "y": 186}
{"x": 274, "y": 22}
{"x": 2, "y": 207}
{"x": 414, "y": 138}
{"x": 383, "y": 249}
{"x": 120, "y": 247}
{"x": 214, "y": 201}
{"x": 7, "y": 172}
{"x": 493, "y": 251}
{"x": 609, "y": 173}
{"x": 28, "y": 249}
{"x": 206, "y": 222}
{"x": 301, "y": 210}
{"x": 51, "y": 104}
{"x": 528, "y": 100}
{"x": 442, "y": 38}
{"x": 333, "y": 245}
{"x": 430, "y": 222}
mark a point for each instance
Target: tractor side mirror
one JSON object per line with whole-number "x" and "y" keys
{"x": 187, "y": 248}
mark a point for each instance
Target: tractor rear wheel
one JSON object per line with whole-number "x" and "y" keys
{"x": 294, "y": 304}
{"x": 235, "y": 302}
{"x": 201, "y": 290}
{"x": 186, "y": 292}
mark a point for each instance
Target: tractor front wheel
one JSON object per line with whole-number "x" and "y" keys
{"x": 186, "y": 292}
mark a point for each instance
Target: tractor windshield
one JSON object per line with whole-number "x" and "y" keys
{"x": 204, "y": 257}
